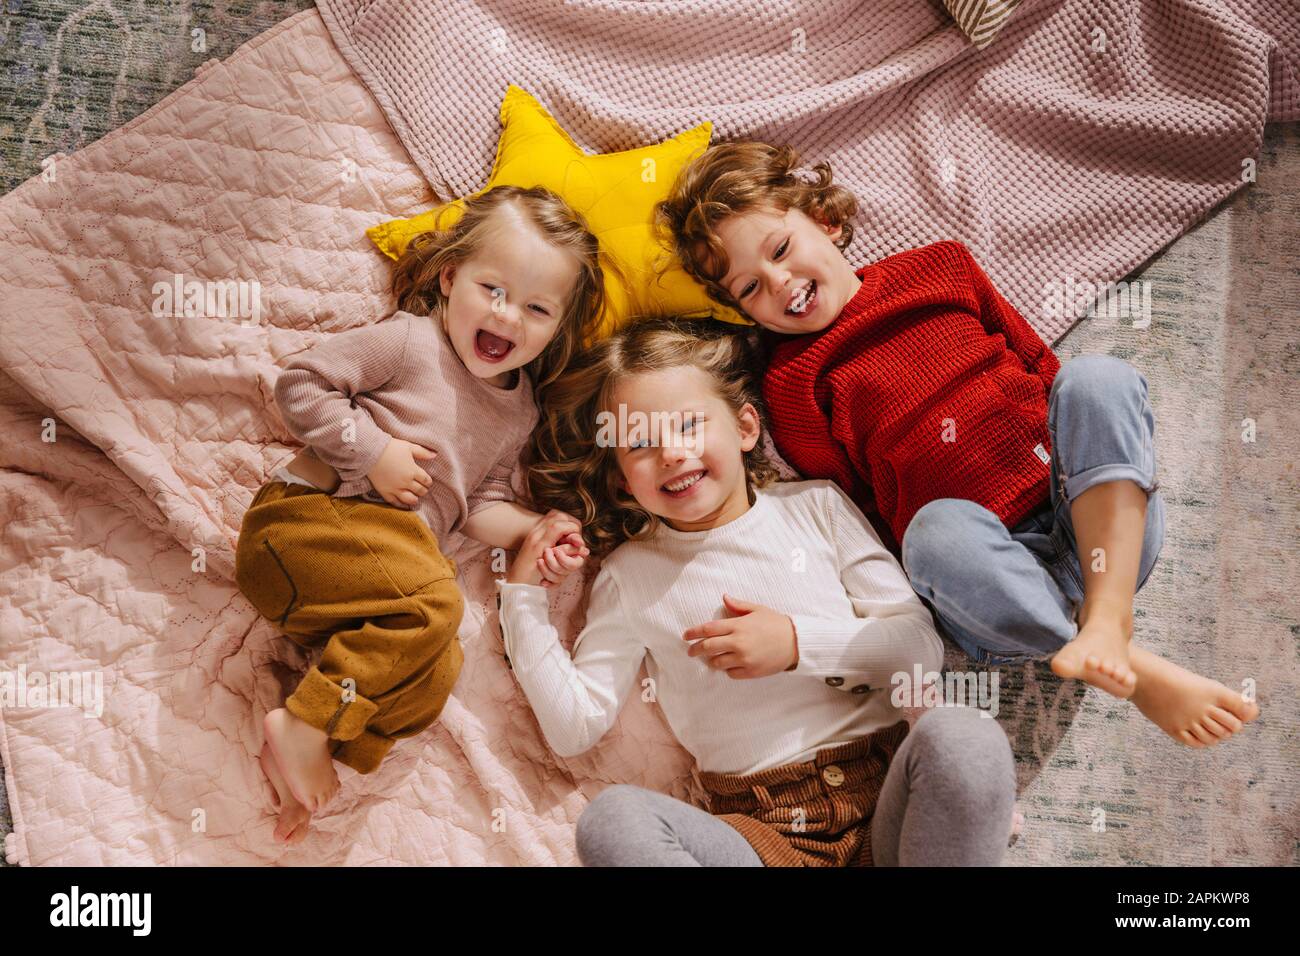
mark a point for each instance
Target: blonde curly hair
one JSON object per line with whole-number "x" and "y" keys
{"x": 418, "y": 291}
{"x": 567, "y": 468}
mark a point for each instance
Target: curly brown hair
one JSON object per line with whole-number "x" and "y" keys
{"x": 418, "y": 291}
{"x": 570, "y": 470}
{"x": 732, "y": 178}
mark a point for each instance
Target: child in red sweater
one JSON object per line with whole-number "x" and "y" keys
{"x": 927, "y": 397}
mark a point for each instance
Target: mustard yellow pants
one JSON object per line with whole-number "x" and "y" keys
{"x": 369, "y": 583}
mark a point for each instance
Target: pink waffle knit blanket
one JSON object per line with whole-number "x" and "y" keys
{"x": 1087, "y": 137}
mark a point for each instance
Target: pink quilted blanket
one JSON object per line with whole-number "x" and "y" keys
{"x": 152, "y": 283}
{"x": 133, "y": 437}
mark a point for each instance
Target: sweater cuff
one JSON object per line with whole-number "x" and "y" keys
{"x": 524, "y": 612}
{"x": 363, "y": 454}
{"x": 821, "y": 653}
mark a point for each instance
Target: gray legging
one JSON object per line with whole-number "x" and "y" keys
{"x": 946, "y": 801}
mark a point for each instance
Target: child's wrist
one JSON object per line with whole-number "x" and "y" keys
{"x": 521, "y": 575}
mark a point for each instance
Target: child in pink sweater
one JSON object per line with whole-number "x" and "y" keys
{"x": 414, "y": 425}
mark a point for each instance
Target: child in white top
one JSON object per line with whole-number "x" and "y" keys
{"x": 773, "y": 622}
{"x": 802, "y": 546}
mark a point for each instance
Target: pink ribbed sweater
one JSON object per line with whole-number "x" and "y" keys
{"x": 402, "y": 378}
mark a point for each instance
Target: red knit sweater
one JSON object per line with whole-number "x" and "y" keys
{"x": 929, "y": 384}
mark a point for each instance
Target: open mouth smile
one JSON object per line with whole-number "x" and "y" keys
{"x": 681, "y": 486}
{"x": 490, "y": 347}
{"x": 803, "y": 300}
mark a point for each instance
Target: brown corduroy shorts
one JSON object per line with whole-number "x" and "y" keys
{"x": 369, "y": 584}
{"x": 810, "y": 814}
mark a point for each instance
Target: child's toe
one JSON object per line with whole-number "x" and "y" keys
{"x": 1225, "y": 718}
{"x": 1214, "y": 728}
{"x": 1245, "y": 710}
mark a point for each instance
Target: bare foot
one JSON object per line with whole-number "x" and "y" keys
{"x": 292, "y": 826}
{"x": 1192, "y": 709}
{"x": 1099, "y": 654}
{"x": 302, "y": 754}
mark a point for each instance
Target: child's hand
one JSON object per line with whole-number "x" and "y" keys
{"x": 551, "y": 552}
{"x": 561, "y": 559}
{"x": 756, "y": 643}
{"x": 397, "y": 476}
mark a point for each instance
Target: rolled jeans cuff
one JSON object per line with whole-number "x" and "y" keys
{"x": 324, "y": 704}
{"x": 1076, "y": 485}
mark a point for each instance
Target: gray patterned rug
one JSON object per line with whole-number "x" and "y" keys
{"x": 71, "y": 70}
{"x": 1098, "y": 785}
{"x": 1221, "y": 356}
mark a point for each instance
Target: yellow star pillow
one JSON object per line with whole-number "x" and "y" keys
{"x": 616, "y": 192}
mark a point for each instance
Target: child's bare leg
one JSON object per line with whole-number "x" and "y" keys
{"x": 1108, "y": 521}
{"x": 302, "y": 753}
{"x": 1192, "y": 709}
{"x": 294, "y": 817}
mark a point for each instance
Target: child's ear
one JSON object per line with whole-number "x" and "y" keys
{"x": 833, "y": 231}
{"x": 445, "y": 276}
{"x": 750, "y": 427}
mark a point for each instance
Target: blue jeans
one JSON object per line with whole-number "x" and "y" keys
{"x": 1006, "y": 595}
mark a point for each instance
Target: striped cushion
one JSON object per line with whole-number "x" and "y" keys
{"x": 981, "y": 19}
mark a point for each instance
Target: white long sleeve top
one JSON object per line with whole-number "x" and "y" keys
{"x": 804, "y": 549}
